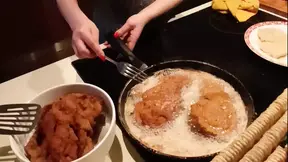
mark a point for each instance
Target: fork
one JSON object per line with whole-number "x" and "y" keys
{"x": 18, "y": 118}
{"x": 129, "y": 70}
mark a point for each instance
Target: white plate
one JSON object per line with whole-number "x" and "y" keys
{"x": 251, "y": 39}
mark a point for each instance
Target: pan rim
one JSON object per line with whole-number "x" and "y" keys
{"x": 123, "y": 123}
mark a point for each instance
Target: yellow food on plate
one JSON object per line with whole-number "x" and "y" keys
{"x": 242, "y": 10}
{"x": 249, "y": 5}
{"x": 243, "y": 15}
{"x": 219, "y": 5}
{"x": 273, "y": 42}
{"x": 233, "y": 6}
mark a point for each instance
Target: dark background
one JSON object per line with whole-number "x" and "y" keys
{"x": 29, "y": 30}
{"x": 34, "y": 34}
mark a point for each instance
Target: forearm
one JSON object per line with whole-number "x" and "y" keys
{"x": 157, "y": 8}
{"x": 71, "y": 12}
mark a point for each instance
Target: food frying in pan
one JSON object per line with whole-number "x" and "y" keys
{"x": 160, "y": 103}
{"x": 214, "y": 113}
{"x": 185, "y": 112}
{"x": 67, "y": 129}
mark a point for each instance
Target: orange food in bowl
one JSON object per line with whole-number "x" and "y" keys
{"x": 65, "y": 130}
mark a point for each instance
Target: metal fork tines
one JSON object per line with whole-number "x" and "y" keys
{"x": 18, "y": 118}
{"x": 129, "y": 70}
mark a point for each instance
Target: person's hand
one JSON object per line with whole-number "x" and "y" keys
{"x": 131, "y": 30}
{"x": 85, "y": 40}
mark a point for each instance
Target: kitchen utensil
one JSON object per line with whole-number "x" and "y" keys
{"x": 119, "y": 45}
{"x": 106, "y": 134}
{"x": 18, "y": 118}
{"x": 184, "y": 64}
{"x": 128, "y": 70}
{"x": 252, "y": 40}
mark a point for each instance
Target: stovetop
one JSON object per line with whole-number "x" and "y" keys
{"x": 205, "y": 36}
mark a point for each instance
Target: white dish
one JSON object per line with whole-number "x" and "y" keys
{"x": 107, "y": 134}
{"x": 252, "y": 40}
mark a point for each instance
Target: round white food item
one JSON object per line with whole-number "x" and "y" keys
{"x": 273, "y": 42}
{"x": 271, "y": 35}
{"x": 274, "y": 49}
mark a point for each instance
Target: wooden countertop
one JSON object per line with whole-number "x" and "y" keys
{"x": 276, "y": 6}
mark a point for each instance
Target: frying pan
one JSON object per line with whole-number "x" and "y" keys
{"x": 183, "y": 64}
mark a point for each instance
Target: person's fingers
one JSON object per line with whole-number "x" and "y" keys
{"x": 124, "y": 29}
{"x": 123, "y": 36}
{"x": 94, "y": 46}
{"x": 126, "y": 36}
{"x": 100, "y": 52}
{"x": 105, "y": 45}
{"x": 94, "y": 34}
{"x": 132, "y": 40}
{"x": 75, "y": 49}
{"x": 82, "y": 50}
{"x": 131, "y": 44}
{"x": 98, "y": 49}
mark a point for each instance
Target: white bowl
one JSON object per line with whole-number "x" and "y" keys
{"x": 107, "y": 134}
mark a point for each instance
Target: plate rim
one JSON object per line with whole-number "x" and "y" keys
{"x": 255, "y": 26}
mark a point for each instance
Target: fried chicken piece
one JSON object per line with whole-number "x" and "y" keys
{"x": 65, "y": 129}
{"x": 47, "y": 124}
{"x": 35, "y": 151}
{"x": 85, "y": 143}
{"x": 211, "y": 86}
{"x": 88, "y": 109}
{"x": 213, "y": 114}
{"x": 160, "y": 102}
{"x": 65, "y": 108}
{"x": 63, "y": 143}
{"x": 32, "y": 148}
{"x": 82, "y": 123}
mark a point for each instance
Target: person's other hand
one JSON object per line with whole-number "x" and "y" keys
{"x": 85, "y": 40}
{"x": 131, "y": 30}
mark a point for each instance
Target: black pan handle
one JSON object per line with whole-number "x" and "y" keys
{"x": 120, "y": 46}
